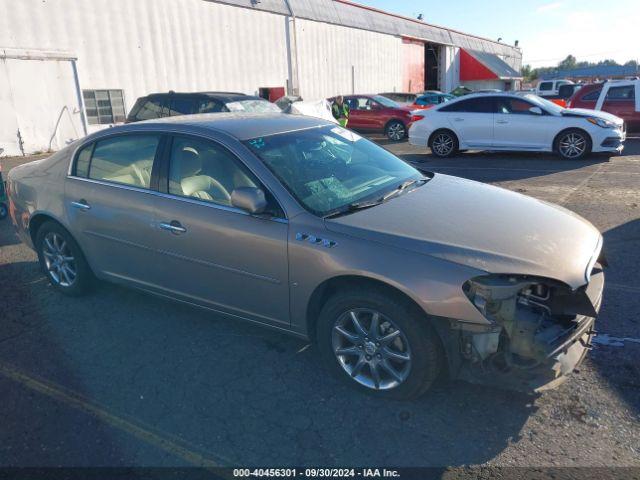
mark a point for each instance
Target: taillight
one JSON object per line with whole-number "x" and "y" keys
{"x": 415, "y": 118}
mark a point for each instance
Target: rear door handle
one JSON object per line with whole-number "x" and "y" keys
{"x": 173, "y": 227}
{"x": 82, "y": 205}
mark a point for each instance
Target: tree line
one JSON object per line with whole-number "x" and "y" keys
{"x": 568, "y": 63}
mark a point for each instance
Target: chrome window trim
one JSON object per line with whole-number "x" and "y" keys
{"x": 176, "y": 197}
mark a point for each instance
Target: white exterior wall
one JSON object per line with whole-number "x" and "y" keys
{"x": 146, "y": 46}
{"x": 326, "y": 54}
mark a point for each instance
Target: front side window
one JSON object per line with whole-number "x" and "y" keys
{"x": 624, "y": 93}
{"x": 514, "y": 106}
{"x": 592, "y": 96}
{"x": 126, "y": 159}
{"x": 104, "y": 107}
{"x": 203, "y": 170}
{"x": 328, "y": 168}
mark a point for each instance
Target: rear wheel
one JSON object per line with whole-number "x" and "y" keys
{"x": 444, "y": 143}
{"x": 62, "y": 260}
{"x": 379, "y": 343}
{"x": 573, "y": 144}
{"x": 4, "y": 211}
{"x": 395, "y": 130}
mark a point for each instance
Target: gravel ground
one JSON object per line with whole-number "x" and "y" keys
{"x": 122, "y": 378}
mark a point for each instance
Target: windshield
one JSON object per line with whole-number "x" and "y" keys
{"x": 254, "y": 106}
{"x": 329, "y": 168}
{"x": 387, "y": 102}
{"x": 544, "y": 104}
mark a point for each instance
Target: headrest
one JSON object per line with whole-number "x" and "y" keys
{"x": 190, "y": 162}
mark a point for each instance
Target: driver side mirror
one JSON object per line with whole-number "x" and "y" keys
{"x": 249, "y": 199}
{"x": 535, "y": 110}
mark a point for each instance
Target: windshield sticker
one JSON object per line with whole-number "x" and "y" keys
{"x": 346, "y": 134}
{"x": 257, "y": 143}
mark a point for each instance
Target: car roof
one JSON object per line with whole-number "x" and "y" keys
{"x": 241, "y": 125}
{"x": 222, "y": 96}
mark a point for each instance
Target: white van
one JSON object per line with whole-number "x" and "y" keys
{"x": 549, "y": 88}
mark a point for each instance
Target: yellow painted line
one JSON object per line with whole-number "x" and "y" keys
{"x": 177, "y": 447}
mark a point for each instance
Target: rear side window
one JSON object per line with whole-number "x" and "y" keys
{"x": 592, "y": 96}
{"x": 151, "y": 108}
{"x": 546, "y": 86}
{"x": 183, "y": 106}
{"x": 82, "y": 162}
{"x": 624, "y": 93}
{"x": 126, "y": 159}
{"x": 209, "y": 106}
{"x": 472, "y": 105}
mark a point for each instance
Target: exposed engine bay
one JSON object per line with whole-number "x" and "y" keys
{"x": 533, "y": 320}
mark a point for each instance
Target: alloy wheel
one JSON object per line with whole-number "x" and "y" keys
{"x": 371, "y": 349}
{"x": 59, "y": 259}
{"x": 396, "y": 131}
{"x": 442, "y": 145}
{"x": 572, "y": 145}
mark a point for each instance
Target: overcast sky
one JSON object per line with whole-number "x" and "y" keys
{"x": 548, "y": 30}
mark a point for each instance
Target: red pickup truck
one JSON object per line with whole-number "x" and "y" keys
{"x": 618, "y": 97}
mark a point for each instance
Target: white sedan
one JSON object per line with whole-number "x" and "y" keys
{"x": 515, "y": 121}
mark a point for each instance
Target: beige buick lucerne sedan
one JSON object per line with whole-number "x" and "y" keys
{"x": 300, "y": 225}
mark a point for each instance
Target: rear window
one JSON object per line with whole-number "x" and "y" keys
{"x": 623, "y": 93}
{"x": 546, "y": 86}
{"x": 472, "y": 105}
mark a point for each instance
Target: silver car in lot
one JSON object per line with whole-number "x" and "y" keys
{"x": 298, "y": 224}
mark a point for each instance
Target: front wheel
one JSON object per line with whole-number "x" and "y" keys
{"x": 396, "y": 131}
{"x": 379, "y": 343}
{"x": 573, "y": 144}
{"x": 4, "y": 211}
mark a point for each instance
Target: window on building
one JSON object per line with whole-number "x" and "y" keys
{"x": 104, "y": 107}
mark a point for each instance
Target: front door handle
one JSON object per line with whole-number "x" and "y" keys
{"x": 173, "y": 227}
{"x": 502, "y": 122}
{"x": 81, "y": 204}
{"x": 458, "y": 119}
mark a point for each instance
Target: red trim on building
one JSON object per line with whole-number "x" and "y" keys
{"x": 471, "y": 69}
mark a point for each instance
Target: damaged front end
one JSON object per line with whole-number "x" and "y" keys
{"x": 539, "y": 331}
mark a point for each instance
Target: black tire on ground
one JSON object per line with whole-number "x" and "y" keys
{"x": 444, "y": 143}
{"x": 84, "y": 279}
{"x": 572, "y": 144}
{"x": 427, "y": 356}
{"x": 395, "y": 130}
{"x": 4, "y": 211}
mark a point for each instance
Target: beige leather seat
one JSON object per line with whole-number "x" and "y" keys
{"x": 191, "y": 183}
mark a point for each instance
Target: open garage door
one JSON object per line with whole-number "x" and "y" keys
{"x": 39, "y": 100}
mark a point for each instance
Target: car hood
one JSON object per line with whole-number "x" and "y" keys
{"x": 585, "y": 112}
{"x": 481, "y": 226}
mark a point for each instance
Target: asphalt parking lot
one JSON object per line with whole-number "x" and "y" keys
{"x": 122, "y": 378}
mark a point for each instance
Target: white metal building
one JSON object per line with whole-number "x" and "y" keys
{"x": 68, "y": 67}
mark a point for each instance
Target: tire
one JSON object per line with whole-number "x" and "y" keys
{"x": 444, "y": 143}
{"x": 4, "y": 211}
{"x": 573, "y": 144}
{"x": 395, "y": 130}
{"x": 62, "y": 261}
{"x": 416, "y": 341}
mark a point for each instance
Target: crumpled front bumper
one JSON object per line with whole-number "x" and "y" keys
{"x": 562, "y": 357}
